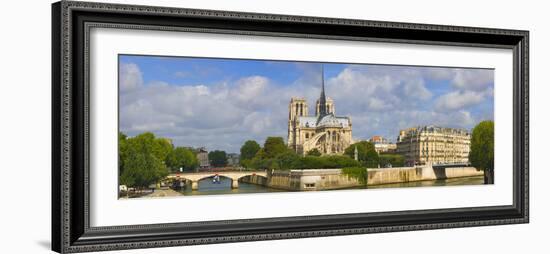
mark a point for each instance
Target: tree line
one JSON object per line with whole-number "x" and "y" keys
{"x": 275, "y": 154}
{"x": 145, "y": 159}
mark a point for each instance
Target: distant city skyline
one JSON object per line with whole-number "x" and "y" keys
{"x": 221, "y": 103}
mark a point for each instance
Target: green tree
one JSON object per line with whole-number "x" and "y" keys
{"x": 217, "y": 158}
{"x": 286, "y": 160}
{"x": 249, "y": 149}
{"x": 262, "y": 163}
{"x": 482, "y": 147}
{"x": 122, "y": 152}
{"x": 313, "y": 152}
{"x": 314, "y": 162}
{"x": 373, "y": 160}
{"x": 276, "y": 155}
{"x": 366, "y": 153}
{"x": 142, "y": 167}
{"x": 396, "y": 160}
{"x": 339, "y": 161}
{"x": 162, "y": 148}
{"x": 310, "y": 162}
{"x": 274, "y": 146}
{"x": 182, "y": 157}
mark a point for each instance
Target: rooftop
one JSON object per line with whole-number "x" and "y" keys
{"x": 324, "y": 121}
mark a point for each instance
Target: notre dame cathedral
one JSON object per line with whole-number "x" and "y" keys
{"x": 329, "y": 133}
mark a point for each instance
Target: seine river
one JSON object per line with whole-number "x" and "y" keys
{"x": 207, "y": 187}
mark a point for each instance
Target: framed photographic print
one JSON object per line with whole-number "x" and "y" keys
{"x": 181, "y": 126}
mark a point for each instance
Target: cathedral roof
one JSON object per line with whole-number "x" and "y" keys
{"x": 324, "y": 121}
{"x": 308, "y": 121}
{"x": 333, "y": 121}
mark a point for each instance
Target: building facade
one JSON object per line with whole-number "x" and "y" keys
{"x": 434, "y": 145}
{"x": 326, "y": 132}
{"x": 383, "y": 145}
{"x": 233, "y": 159}
{"x": 202, "y": 157}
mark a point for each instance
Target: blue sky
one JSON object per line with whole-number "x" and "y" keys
{"x": 220, "y": 103}
{"x": 188, "y": 71}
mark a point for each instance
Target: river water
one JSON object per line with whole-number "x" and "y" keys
{"x": 207, "y": 187}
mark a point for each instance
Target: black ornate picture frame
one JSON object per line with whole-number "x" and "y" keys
{"x": 71, "y": 230}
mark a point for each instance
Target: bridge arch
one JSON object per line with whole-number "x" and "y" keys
{"x": 194, "y": 178}
{"x": 210, "y": 176}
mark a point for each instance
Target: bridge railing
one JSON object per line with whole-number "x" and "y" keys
{"x": 220, "y": 169}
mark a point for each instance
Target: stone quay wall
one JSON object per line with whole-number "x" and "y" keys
{"x": 329, "y": 179}
{"x": 310, "y": 179}
{"x": 254, "y": 179}
{"x": 378, "y": 176}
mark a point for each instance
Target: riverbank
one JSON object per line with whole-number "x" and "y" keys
{"x": 163, "y": 193}
{"x": 329, "y": 179}
{"x": 461, "y": 181}
{"x": 152, "y": 193}
{"x": 332, "y": 179}
{"x": 382, "y": 176}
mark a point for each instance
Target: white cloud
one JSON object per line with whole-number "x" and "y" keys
{"x": 458, "y": 99}
{"x": 378, "y": 104}
{"x": 472, "y": 79}
{"x": 221, "y": 116}
{"x": 377, "y": 88}
{"x": 439, "y": 73}
{"x": 250, "y": 91}
{"x": 380, "y": 100}
{"x": 258, "y": 122}
{"x": 416, "y": 88}
{"x": 462, "y": 78}
{"x": 471, "y": 87}
{"x": 130, "y": 76}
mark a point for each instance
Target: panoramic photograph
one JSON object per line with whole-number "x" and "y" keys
{"x": 208, "y": 126}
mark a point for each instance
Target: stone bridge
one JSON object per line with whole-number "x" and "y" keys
{"x": 194, "y": 178}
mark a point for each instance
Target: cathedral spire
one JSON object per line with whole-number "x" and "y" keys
{"x": 322, "y": 99}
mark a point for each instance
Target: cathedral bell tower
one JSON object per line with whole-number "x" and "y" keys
{"x": 329, "y": 106}
{"x": 296, "y": 108}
